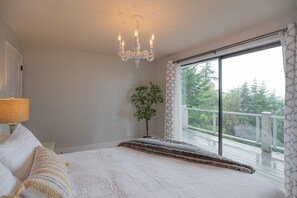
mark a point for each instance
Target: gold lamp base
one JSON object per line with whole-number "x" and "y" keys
{"x": 11, "y": 127}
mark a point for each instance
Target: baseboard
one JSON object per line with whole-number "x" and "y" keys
{"x": 88, "y": 147}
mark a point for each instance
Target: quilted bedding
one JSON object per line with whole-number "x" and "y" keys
{"x": 123, "y": 172}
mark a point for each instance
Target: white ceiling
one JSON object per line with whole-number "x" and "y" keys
{"x": 93, "y": 25}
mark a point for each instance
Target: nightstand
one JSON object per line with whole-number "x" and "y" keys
{"x": 49, "y": 145}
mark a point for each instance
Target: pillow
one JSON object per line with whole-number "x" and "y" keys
{"x": 17, "y": 152}
{"x": 8, "y": 182}
{"x": 48, "y": 177}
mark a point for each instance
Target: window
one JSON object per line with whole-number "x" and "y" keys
{"x": 233, "y": 105}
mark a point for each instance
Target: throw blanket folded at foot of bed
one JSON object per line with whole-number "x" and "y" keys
{"x": 184, "y": 151}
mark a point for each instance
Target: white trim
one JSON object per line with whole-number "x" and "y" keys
{"x": 88, "y": 147}
{"x": 7, "y": 44}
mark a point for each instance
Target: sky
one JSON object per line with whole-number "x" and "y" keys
{"x": 264, "y": 66}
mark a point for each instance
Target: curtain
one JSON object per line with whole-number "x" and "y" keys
{"x": 290, "y": 125}
{"x": 173, "y": 102}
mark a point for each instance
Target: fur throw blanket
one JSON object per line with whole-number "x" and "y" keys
{"x": 184, "y": 151}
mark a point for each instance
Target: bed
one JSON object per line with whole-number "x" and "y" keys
{"x": 124, "y": 172}
{"x": 128, "y": 173}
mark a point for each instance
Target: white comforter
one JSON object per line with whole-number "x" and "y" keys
{"x": 122, "y": 172}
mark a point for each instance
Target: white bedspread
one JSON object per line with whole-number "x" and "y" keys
{"x": 122, "y": 172}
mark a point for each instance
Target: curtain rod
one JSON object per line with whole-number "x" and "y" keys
{"x": 233, "y": 45}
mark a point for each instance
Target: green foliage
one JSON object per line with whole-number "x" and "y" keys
{"x": 253, "y": 99}
{"x": 190, "y": 86}
{"x": 245, "y": 95}
{"x": 234, "y": 104}
{"x": 198, "y": 91}
{"x": 144, "y": 98}
{"x": 198, "y": 88}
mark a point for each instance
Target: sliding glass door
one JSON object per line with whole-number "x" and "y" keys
{"x": 234, "y": 106}
{"x": 253, "y": 88}
{"x": 200, "y": 104}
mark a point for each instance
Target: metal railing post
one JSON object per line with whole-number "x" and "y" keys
{"x": 266, "y": 136}
{"x": 185, "y": 117}
{"x": 258, "y": 137}
{"x": 214, "y": 122}
{"x": 274, "y": 131}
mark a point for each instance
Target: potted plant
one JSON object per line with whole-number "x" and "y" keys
{"x": 143, "y": 99}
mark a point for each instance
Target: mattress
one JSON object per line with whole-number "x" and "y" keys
{"x": 123, "y": 172}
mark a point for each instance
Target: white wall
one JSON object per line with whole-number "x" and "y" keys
{"x": 83, "y": 99}
{"x": 79, "y": 98}
{"x": 5, "y": 35}
{"x": 250, "y": 32}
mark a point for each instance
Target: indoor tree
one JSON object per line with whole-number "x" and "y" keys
{"x": 143, "y": 99}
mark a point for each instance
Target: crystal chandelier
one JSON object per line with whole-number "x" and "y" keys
{"x": 136, "y": 54}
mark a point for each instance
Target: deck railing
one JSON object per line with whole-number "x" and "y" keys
{"x": 256, "y": 129}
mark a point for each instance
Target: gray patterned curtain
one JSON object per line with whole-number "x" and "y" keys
{"x": 172, "y": 102}
{"x": 290, "y": 125}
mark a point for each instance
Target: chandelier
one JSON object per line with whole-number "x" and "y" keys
{"x": 136, "y": 54}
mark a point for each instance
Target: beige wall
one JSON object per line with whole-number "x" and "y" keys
{"x": 80, "y": 98}
{"x": 250, "y": 32}
{"x": 5, "y": 35}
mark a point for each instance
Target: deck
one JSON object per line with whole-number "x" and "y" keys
{"x": 269, "y": 166}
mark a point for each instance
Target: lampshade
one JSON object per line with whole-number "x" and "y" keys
{"x": 14, "y": 110}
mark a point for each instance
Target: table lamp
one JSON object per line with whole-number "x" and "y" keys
{"x": 13, "y": 110}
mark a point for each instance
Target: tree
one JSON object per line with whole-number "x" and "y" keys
{"x": 190, "y": 86}
{"x": 208, "y": 94}
{"x": 245, "y": 98}
{"x": 276, "y": 104}
{"x": 198, "y": 91}
{"x": 232, "y": 101}
{"x": 143, "y": 99}
{"x": 198, "y": 88}
{"x": 253, "y": 96}
{"x": 261, "y": 99}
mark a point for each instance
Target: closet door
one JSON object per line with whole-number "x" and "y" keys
{"x": 13, "y": 74}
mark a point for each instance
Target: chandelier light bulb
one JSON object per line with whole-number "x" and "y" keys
{"x": 120, "y": 42}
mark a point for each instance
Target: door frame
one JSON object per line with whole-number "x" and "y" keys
{"x": 20, "y": 77}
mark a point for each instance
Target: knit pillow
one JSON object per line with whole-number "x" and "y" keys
{"x": 48, "y": 177}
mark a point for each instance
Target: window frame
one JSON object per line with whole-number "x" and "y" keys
{"x": 220, "y": 68}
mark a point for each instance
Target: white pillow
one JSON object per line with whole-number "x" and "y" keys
{"x": 17, "y": 152}
{"x": 8, "y": 182}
